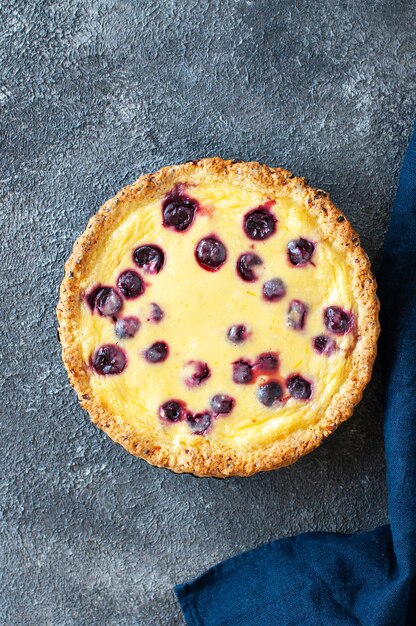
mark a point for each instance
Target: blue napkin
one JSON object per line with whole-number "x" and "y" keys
{"x": 323, "y": 579}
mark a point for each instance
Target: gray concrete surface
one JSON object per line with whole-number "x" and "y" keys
{"x": 93, "y": 94}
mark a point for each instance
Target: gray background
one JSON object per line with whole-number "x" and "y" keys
{"x": 93, "y": 94}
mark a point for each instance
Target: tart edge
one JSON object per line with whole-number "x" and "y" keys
{"x": 202, "y": 458}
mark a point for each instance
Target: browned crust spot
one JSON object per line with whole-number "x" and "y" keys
{"x": 203, "y": 457}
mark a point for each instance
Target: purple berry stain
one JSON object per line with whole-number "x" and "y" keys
{"x": 245, "y": 264}
{"x": 274, "y": 290}
{"x": 260, "y": 223}
{"x": 296, "y": 315}
{"x": 197, "y": 373}
{"x": 149, "y": 258}
{"x": 157, "y": 352}
{"x": 130, "y": 284}
{"x": 324, "y": 345}
{"x": 108, "y": 360}
{"x": 300, "y": 251}
{"x": 105, "y": 300}
{"x": 337, "y": 320}
{"x": 211, "y": 253}
{"x": 156, "y": 313}
{"x": 178, "y": 211}
{"x": 298, "y": 387}
{"x": 126, "y": 327}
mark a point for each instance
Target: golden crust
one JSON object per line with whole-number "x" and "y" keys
{"x": 202, "y": 458}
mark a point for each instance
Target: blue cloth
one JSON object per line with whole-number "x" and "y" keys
{"x": 323, "y": 579}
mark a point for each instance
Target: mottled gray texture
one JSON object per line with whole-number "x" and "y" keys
{"x": 93, "y": 94}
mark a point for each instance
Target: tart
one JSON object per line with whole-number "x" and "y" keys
{"x": 218, "y": 318}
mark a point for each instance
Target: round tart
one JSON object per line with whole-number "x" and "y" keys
{"x": 219, "y": 317}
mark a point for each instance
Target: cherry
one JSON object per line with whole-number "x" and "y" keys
{"x": 324, "y": 345}
{"x": 267, "y": 362}
{"x": 298, "y": 387}
{"x": 150, "y": 258}
{"x": 157, "y": 352}
{"x": 274, "y": 290}
{"x": 222, "y": 404}
{"x": 211, "y": 253}
{"x": 259, "y": 224}
{"x": 109, "y": 359}
{"x": 245, "y": 263}
{"x": 296, "y": 315}
{"x": 200, "y": 374}
{"x": 269, "y": 394}
{"x": 107, "y": 301}
{"x": 156, "y": 313}
{"x": 172, "y": 411}
{"x": 242, "y": 372}
{"x": 199, "y": 422}
{"x": 178, "y": 211}
{"x": 237, "y": 333}
{"x": 337, "y": 320}
{"x": 300, "y": 251}
{"x": 130, "y": 284}
{"x": 127, "y": 327}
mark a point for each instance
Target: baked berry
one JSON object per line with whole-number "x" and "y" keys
{"x": 222, "y": 404}
{"x": 130, "y": 284}
{"x": 126, "y": 327}
{"x": 259, "y": 224}
{"x": 149, "y": 258}
{"x": 172, "y": 411}
{"x": 274, "y": 290}
{"x": 245, "y": 264}
{"x": 156, "y": 313}
{"x": 267, "y": 362}
{"x": 300, "y": 251}
{"x": 157, "y": 352}
{"x": 296, "y": 315}
{"x": 337, "y": 320}
{"x": 108, "y": 360}
{"x": 242, "y": 372}
{"x": 298, "y": 387}
{"x": 237, "y": 334}
{"x": 211, "y": 253}
{"x": 324, "y": 345}
{"x": 269, "y": 394}
{"x": 199, "y": 422}
{"x": 107, "y": 302}
{"x": 179, "y": 211}
{"x": 200, "y": 373}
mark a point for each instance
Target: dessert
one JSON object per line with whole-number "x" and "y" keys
{"x": 219, "y": 318}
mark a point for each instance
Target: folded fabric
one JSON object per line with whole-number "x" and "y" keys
{"x": 320, "y": 579}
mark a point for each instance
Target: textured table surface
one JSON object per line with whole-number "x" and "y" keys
{"x": 93, "y": 94}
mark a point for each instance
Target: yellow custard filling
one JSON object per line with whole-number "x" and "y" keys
{"x": 199, "y": 307}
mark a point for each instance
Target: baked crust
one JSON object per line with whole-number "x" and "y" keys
{"x": 202, "y": 458}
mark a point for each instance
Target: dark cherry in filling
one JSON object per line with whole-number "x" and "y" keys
{"x": 274, "y": 290}
{"x": 157, "y": 352}
{"x": 245, "y": 264}
{"x": 222, "y": 404}
{"x": 269, "y": 394}
{"x": 211, "y": 253}
{"x": 237, "y": 333}
{"x": 172, "y": 411}
{"x": 259, "y": 224}
{"x": 299, "y": 388}
{"x": 149, "y": 258}
{"x": 300, "y": 251}
{"x": 178, "y": 211}
{"x": 200, "y": 374}
{"x": 267, "y": 362}
{"x": 156, "y": 313}
{"x": 337, "y": 320}
{"x": 130, "y": 284}
{"x": 199, "y": 422}
{"x": 109, "y": 359}
{"x": 127, "y": 327}
{"x": 296, "y": 315}
{"x": 106, "y": 301}
{"x": 324, "y": 345}
{"x": 242, "y": 372}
